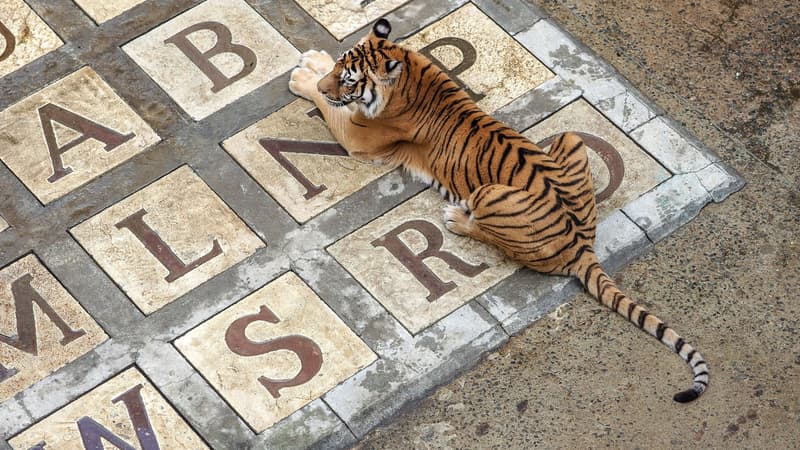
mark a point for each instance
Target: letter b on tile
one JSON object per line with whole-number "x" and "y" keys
{"x": 212, "y": 55}
{"x": 222, "y": 45}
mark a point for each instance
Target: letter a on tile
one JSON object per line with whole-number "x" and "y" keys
{"x": 26, "y": 340}
{"x": 162, "y": 252}
{"x": 223, "y": 44}
{"x": 87, "y": 128}
{"x": 415, "y": 262}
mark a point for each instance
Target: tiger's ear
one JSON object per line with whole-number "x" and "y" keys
{"x": 382, "y": 28}
{"x": 393, "y": 69}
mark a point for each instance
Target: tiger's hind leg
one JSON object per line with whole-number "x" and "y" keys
{"x": 522, "y": 224}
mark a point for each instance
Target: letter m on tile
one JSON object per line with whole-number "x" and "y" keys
{"x": 93, "y": 433}
{"x": 25, "y": 296}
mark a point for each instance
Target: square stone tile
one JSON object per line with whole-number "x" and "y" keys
{"x": 213, "y": 54}
{"x": 342, "y": 17}
{"x": 103, "y": 10}
{"x": 70, "y": 133}
{"x": 480, "y": 55}
{"x": 166, "y": 239}
{"x": 621, "y": 170}
{"x": 42, "y": 327}
{"x": 124, "y": 412}
{"x": 275, "y": 351}
{"x": 417, "y": 269}
{"x": 295, "y": 158}
{"x": 23, "y": 36}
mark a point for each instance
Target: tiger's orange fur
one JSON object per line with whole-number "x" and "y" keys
{"x": 385, "y": 103}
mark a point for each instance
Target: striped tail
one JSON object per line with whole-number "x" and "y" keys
{"x": 603, "y": 288}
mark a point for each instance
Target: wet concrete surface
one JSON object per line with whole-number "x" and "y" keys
{"x": 728, "y": 281}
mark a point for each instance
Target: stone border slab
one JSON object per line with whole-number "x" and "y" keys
{"x": 408, "y": 365}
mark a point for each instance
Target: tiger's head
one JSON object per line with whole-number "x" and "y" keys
{"x": 365, "y": 75}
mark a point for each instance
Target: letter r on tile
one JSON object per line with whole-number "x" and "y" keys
{"x": 415, "y": 262}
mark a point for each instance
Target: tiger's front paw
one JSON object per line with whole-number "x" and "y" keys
{"x": 303, "y": 82}
{"x": 457, "y": 219}
{"x": 319, "y": 62}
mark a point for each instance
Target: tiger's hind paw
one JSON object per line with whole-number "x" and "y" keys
{"x": 319, "y": 62}
{"x": 458, "y": 219}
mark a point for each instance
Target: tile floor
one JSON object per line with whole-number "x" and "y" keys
{"x": 194, "y": 263}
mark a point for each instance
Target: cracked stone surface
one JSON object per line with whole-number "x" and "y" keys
{"x": 25, "y": 36}
{"x": 343, "y": 17}
{"x": 115, "y": 405}
{"x": 102, "y": 11}
{"x": 263, "y": 289}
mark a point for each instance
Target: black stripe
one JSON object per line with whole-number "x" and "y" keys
{"x": 699, "y": 361}
{"x": 642, "y": 316}
{"x": 584, "y": 249}
{"x": 690, "y": 355}
{"x": 700, "y": 374}
{"x": 589, "y": 273}
{"x": 630, "y": 309}
{"x": 660, "y": 331}
{"x": 617, "y": 298}
{"x": 501, "y": 198}
{"x": 701, "y": 382}
{"x": 557, "y": 142}
{"x": 679, "y": 345}
{"x": 561, "y": 156}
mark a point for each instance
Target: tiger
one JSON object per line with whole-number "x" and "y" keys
{"x": 388, "y": 104}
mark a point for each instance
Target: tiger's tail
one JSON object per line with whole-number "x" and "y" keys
{"x": 603, "y": 288}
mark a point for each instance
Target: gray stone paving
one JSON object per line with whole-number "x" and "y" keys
{"x": 408, "y": 364}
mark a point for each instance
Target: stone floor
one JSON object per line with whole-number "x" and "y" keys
{"x": 162, "y": 192}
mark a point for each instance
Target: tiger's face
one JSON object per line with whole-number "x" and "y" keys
{"x": 365, "y": 75}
